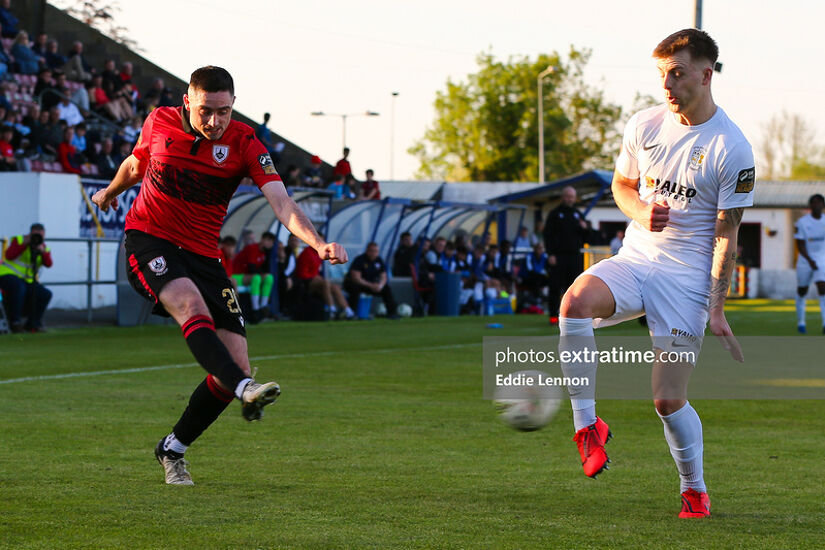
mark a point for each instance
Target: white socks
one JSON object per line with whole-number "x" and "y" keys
{"x": 800, "y": 309}
{"x": 240, "y": 387}
{"x": 683, "y": 432}
{"x": 171, "y": 443}
{"x": 582, "y": 398}
{"x": 256, "y": 301}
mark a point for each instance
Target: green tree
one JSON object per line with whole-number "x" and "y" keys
{"x": 486, "y": 128}
{"x": 102, "y": 15}
{"x": 787, "y": 149}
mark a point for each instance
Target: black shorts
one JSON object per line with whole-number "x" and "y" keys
{"x": 153, "y": 262}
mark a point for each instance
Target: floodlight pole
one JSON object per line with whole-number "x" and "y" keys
{"x": 392, "y": 136}
{"x": 542, "y": 74}
{"x": 344, "y": 121}
{"x": 697, "y": 17}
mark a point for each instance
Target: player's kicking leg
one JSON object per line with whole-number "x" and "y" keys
{"x": 223, "y": 354}
{"x": 588, "y": 298}
{"x": 801, "y": 291}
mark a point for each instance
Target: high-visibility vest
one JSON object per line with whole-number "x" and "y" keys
{"x": 22, "y": 265}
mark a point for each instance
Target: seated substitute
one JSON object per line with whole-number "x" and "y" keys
{"x": 367, "y": 273}
{"x": 311, "y": 281}
{"x": 250, "y": 267}
{"x": 23, "y": 295}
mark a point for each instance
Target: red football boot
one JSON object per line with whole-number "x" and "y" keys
{"x": 695, "y": 504}
{"x": 591, "y": 441}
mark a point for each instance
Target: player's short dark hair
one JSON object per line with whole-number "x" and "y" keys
{"x": 372, "y": 243}
{"x": 815, "y": 197}
{"x": 267, "y": 235}
{"x": 369, "y": 171}
{"x": 698, "y": 43}
{"x": 212, "y": 79}
{"x": 37, "y": 227}
{"x": 229, "y": 239}
{"x": 406, "y": 234}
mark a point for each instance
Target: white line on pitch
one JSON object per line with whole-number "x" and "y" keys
{"x": 258, "y": 358}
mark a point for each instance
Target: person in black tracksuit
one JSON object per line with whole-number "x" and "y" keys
{"x": 565, "y": 231}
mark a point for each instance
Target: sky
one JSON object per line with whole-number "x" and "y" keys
{"x": 292, "y": 58}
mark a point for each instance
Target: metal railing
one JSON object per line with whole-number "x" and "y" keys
{"x": 89, "y": 282}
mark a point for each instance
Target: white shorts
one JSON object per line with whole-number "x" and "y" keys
{"x": 804, "y": 273}
{"x": 674, "y": 299}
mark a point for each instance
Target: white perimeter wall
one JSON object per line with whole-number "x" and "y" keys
{"x": 55, "y": 200}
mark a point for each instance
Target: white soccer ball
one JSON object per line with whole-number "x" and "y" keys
{"x": 381, "y": 309}
{"x": 404, "y": 310}
{"x": 527, "y": 408}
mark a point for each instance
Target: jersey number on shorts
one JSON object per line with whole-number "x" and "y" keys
{"x": 231, "y": 300}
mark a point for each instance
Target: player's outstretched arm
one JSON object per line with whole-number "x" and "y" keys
{"x": 130, "y": 172}
{"x": 299, "y": 224}
{"x": 653, "y": 216}
{"x": 724, "y": 261}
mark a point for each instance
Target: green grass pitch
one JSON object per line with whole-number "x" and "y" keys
{"x": 381, "y": 440}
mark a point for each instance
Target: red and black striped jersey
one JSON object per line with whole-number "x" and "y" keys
{"x": 190, "y": 179}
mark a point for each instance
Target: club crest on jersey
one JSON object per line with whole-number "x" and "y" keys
{"x": 697, "y": 157}
{"x": 158, "y": 266}
{"x": 220, "y": 152}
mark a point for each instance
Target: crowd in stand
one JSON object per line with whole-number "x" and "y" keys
{"x": 344, "y": 184}
{"x": 59, "y": 113}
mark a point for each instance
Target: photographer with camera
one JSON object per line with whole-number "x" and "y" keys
{"x": 22, "y": 294}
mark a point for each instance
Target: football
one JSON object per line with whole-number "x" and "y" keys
{"x": 404, "y": 310}
{"x": 527, "y": 408}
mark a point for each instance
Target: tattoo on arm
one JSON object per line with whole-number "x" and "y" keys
{"x": 724, "y": 254}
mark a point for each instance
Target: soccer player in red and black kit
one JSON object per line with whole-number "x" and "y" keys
{"x": 191, "y": 160}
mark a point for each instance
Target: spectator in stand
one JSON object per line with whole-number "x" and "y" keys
{"x": 67, "y": 154}
{"x": 27, "y": 61}
{"x": 32, "y": 116}
{"x": 54, "y": 131}
{"x": 404, "y": 256}
{"x": 8, "y": 163}
{"x": 79, "y": 142}
{"x": 369, "y": 188}
{"x": 342, "y": 167}
{"x": 536, "y": 236}
{"x": 80, "y": 97}
{"x": 251, "y": 267}
{"x": 40, "y": 45}
{"x": 68, "y": 110}
{"x": 124, "y": 149}
{"x": 8, "y": 20}
{"x": 462, "y": 264}
{"x": 108, "y": 161}
{"x": 40, "y": 132}
{"x": 111, "y": 77}
{"x": 339, "y": 189}
{"x": 44, "y": 81}
{"x": 54, "y": 60}
{"x": 368, "y": 274}
{"x": 50, "y": 94}
{"x": 264, "y": 134}
{"x": 116, "y": 110}
{"x": 126, "y": 76}
{"x": 23, "y": 295}
{"x": 159, "y": 96}
{"x": 76, "y": 67}
{"x": 434, "y": 261}
{"x": 310, "y": 280}
{"x": 131, "y": 131}
{"x": 286, "y": 277}
{"x": 293, "y": 177}
{"x": 312, "y": 173}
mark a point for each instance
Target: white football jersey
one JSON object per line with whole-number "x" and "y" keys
{"x": 812, "y": 231}
{"x": 696, "y": 170}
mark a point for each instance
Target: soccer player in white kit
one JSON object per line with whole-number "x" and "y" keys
{"x": 810, "y": 266}
{"x": 684, "y": 176}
